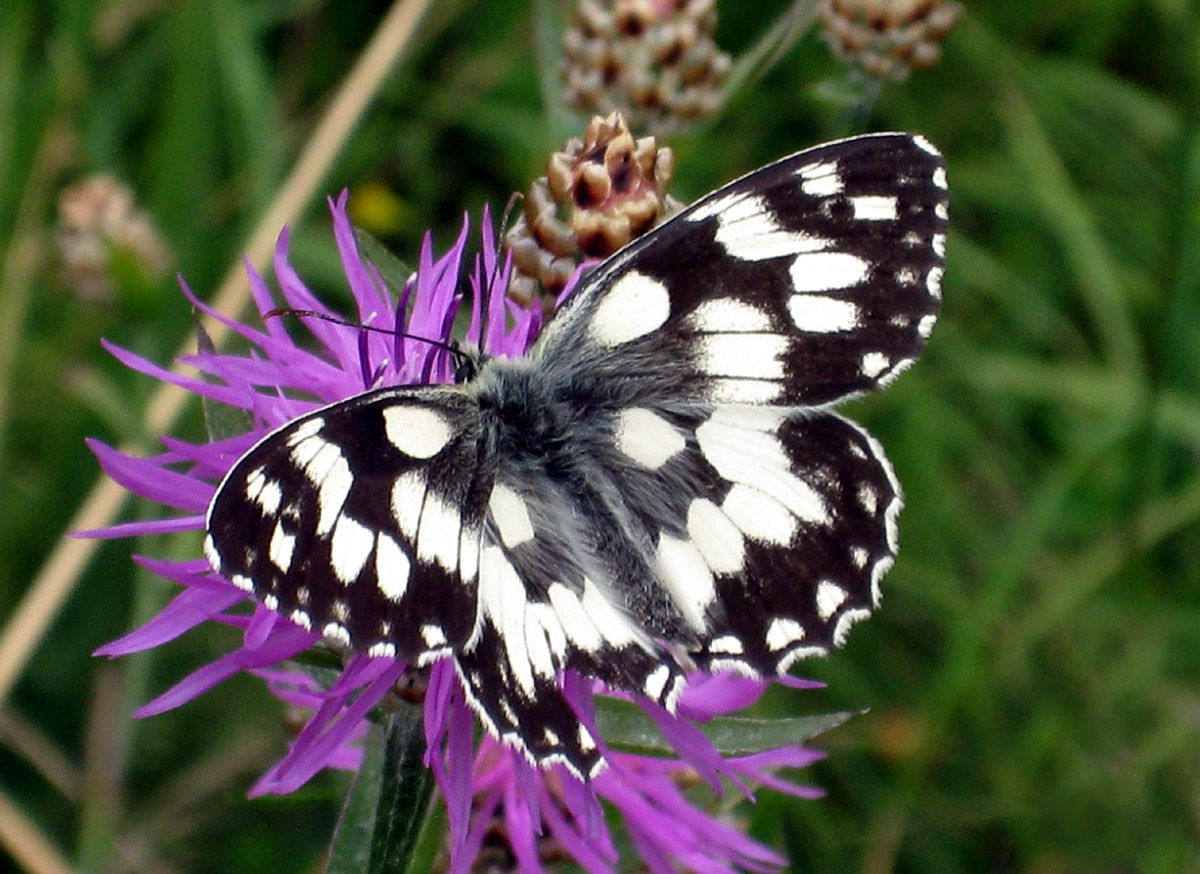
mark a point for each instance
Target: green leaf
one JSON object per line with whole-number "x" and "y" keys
{"x": 626, "y": 727}
{"x": 405, "y": 794}
{"x": 395, "y": 272}
{"x": 388, "y": 823}
{"x": 220, "y": 420}
{"x": 349, "y": 852}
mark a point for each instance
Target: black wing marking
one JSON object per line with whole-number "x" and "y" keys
{"x": 362, "y": 521}
{"x": 809, "y": 280}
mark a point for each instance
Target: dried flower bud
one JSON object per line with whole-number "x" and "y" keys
{"x": 655, "y": 61}
{"x": 597, "y": 195}
{"x": 105, "y": 241}
{"x": 887, "y": 39}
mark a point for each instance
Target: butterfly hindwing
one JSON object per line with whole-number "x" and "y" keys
{"x": 807, "y": 281}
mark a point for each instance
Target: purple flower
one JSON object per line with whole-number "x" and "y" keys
{"x": 483, "y": 782}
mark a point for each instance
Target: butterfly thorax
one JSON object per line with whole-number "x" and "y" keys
{"x": 520, "y": 415}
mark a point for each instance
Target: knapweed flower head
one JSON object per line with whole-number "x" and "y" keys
{"x": 483, "y": 780}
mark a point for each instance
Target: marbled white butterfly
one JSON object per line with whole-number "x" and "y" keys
{"x": 660, "y": 486}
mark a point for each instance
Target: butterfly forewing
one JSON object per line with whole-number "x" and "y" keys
{"x": 362, "y": 521}
{"x": 657, "y": 488}
{"x": 812, "y": 279}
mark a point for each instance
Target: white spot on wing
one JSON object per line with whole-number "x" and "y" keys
{"x": 925, "y": 146}
{"x": 873, "y": 364}
{"x": 718, "y": 539}
{"x": 656, "y": 681}
{"x": 511, "y": 515}
{"x": 635, "y": 305}
{"x": 305, "y": 429}
{"x": 468, "y": 554}
{"x": 822, "y": 315}
{"x": 646, "y": 437}
{"x": 748, "y": 230}
{"x": 688, "y": 578}
{"x": 820, "y": 180}
{"x": 210, "y": 551}
{"x": 728, "y": 315}
{"x": 615, "y": 629}
{"x": 815, "y": 272}
{"x": 502, "y": 597}
{"x": 830, "y": 596}
{"x": 264, "y": 492}
{"x": 868, "y": 498}
{"x": 336, "y": 633}
{"x": 392, "y": 568}
{"x": 574, "y": 619}
{"x": 783, "y": 632}
{"x": 325, "y": 466}
{"x": 759, "y": 516}
{"x": 433, "y": 635}
{"x": 281, "y": 548}
{"x": 418, "y": 432}
{"x": 438, "y": 536}
{"x": 408, "y": 496}
{"x": 727, "y": 644}
{"x": 349, "y": 548}
{"x": 381, "y": 650}
{"x": 743, "y": 391}
{"x": 875, "y": 207}
{"x": 547, "y": 617}
{"x": 933, "y": 282}
{"x": 541, "y": 658}
{"x": 939, "y": 178}
{"x": 748, "y": 356}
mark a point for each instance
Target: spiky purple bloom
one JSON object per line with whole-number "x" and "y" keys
{"x": 482, "y": 782}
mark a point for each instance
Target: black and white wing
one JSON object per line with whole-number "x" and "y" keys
{"x": 810, "y": 280}
{"x": 706, "y": 355}
{"x": 362, "y": 521}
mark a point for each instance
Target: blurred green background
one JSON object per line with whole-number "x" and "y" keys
{"x": 1033, "y": 679}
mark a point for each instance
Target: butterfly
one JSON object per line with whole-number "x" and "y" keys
{"x": 660, "y": 486}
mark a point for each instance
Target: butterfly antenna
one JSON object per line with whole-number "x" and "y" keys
{"x": 450, "y": 348}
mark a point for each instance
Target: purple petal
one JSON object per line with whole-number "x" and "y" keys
{"x": 141, "y": 529}
{"x": 144, "y": 477}
{"x": 191, "y": 686}
{"x": 186, "y": 610}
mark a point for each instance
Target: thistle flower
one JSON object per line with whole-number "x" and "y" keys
{"x": 105, "y": 243}
{"x": 887, "y": 39}
{"x": 483, "y": 781}
{"x": 654, "y": 60}
{"x": 599, "y": 193}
